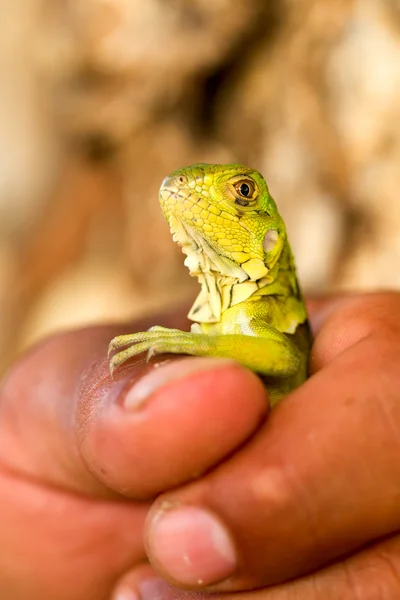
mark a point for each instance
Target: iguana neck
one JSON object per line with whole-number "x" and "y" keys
{"x": 223, "y": 282}
{"x": 220, "y": 292}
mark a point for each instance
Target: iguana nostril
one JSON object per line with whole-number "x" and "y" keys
{"x": 173, "y": 182}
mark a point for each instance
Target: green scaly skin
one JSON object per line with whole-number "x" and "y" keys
{"x": 250, "y": 307}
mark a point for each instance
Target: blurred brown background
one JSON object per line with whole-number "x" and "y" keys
{"x": 100, "y": 99}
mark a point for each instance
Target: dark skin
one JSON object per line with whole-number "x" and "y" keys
{"x": 89, "y": 493}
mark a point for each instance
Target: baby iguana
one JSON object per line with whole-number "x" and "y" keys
{"x": 250, "y": 306}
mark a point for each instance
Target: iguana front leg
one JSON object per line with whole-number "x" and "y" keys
{"x": 269, "y": 353}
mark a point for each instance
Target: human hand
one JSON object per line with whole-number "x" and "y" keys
{"x": 316, "y": 490}
{"x": 304, "y": 490}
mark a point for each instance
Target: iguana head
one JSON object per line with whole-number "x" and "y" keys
{"x": 225, "y": 220}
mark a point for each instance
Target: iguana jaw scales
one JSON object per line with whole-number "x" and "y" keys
{"x": 223, "y": 282}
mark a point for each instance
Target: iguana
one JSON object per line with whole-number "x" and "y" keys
{"x": 250, "y": 307}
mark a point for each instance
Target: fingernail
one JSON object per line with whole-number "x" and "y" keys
{"x": 154, "y": 589}
{"x": 126, "y": 593}
{"x": 191, "y": 546}
{"x": 167, "y": 373}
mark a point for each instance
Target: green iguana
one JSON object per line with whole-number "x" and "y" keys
{"x": 250, "y": 307}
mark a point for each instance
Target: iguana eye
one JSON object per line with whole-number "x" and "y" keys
{"x": 245, "y": 188}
